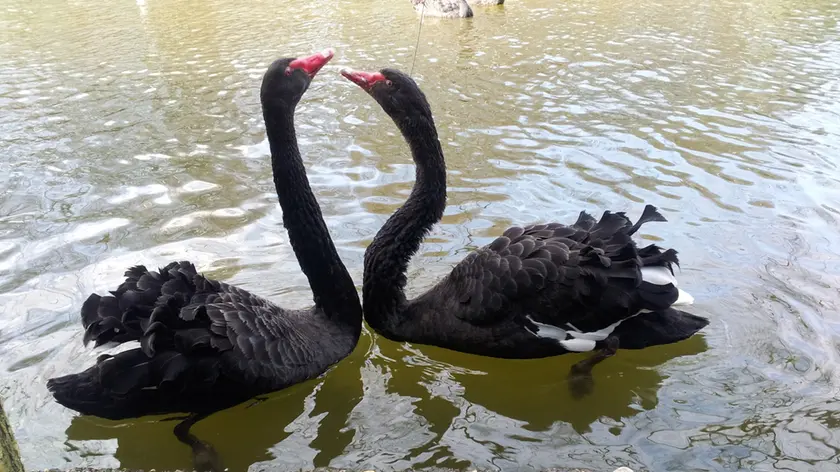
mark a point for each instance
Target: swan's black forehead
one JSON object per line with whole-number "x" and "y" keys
{"x": 397, "y": 76}
{"x": 406, "y": 93}
{"x": 279, "y": 66}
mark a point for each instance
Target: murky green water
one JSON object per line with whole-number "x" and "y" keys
{"x": 131, "y": 133}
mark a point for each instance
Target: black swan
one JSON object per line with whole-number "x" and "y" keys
{"x": 206, "y": 345}
{"x": 536, "y": 291}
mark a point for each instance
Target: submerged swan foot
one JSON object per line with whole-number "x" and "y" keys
{"x": 256, "y": 401}
{"x": 176, "y": 418}
{"x": 205, "y": 457}
{"x": 580, "y": 375}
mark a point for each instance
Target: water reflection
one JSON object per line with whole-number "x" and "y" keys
{"x": 241, "y": 435}
{"x": 247, "y": 432}
{"x": 132, "y": 134}
{"x": 408, "y": 408}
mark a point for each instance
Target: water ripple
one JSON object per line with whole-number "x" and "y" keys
{"x": 132, "y": 133}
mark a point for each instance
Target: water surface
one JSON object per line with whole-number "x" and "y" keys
{"x": 131, "y": 133}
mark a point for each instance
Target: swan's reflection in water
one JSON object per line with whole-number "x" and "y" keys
{"x": 245, "y": 434}
{"x": 535, "y": 391}
{"x": 393, "y": 405}
{"x": 491, "y": 411}
{"x": 241, "y": 435}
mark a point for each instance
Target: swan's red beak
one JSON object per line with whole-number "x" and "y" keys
{"x": 365, "y": 80}
{"x": 312, "y": 64}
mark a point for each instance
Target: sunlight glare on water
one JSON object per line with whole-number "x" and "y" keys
{"x": 132, "y": 133}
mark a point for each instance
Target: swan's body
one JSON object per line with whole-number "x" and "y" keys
{"x": 443, "y": 8}
{"x": 206, "y": 345}
{"x": 487, "y": 2}
{"x": 535, "y": 291}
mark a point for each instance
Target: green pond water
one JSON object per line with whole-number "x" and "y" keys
{"x": 131, "y": 133}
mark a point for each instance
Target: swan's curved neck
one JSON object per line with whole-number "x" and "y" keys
{"x": 331, "y": 284}
{"x": 387, "y": 257}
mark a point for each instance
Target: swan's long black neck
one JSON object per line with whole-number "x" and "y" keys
{"x": 331, "y": 284}
{"x": 387, "y": 257}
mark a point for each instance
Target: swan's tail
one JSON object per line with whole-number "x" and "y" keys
{"x": 662, "y": 276}
{"x": 612, "y": 223}
{"x": 658, "y": 327}
{"x": 657, "y": 292}
{"x": 649, "y": 214}
{"x": 130, "y": 385}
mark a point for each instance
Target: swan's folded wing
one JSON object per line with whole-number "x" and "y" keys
{"x": 551, "y": 271}
{"x": 124, "y": 314}
{"x": 193, "y": 331}
{"x": 266, "y": 347}
{"x": 202, "y": 318}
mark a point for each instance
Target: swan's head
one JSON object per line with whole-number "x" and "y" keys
{"x": 396, "y": 93}
{"x": 287, "y": 79}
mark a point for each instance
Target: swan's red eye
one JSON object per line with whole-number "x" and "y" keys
{"x": 288, "y": 71}
{"x": 388, "y": 83}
